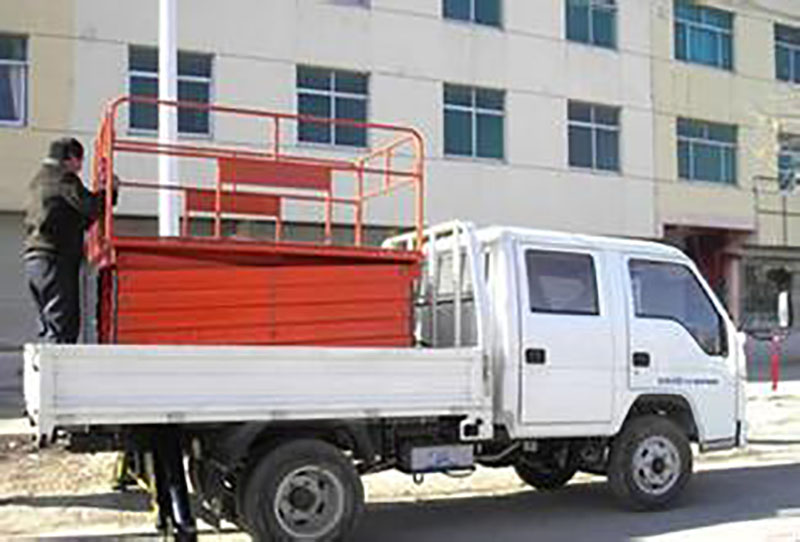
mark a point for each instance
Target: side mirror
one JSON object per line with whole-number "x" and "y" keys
{"x": 784, "y": 310}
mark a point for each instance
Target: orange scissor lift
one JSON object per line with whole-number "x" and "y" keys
{"x": 211, "y": 286}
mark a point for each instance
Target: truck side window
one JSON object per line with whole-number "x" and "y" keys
{"x": 671, "y": 291}
{"x": 561, "y": 282}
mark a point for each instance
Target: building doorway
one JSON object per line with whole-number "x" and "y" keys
{"x": 716, "y": 254}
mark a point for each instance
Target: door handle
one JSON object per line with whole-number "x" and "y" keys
{"x": 641, "y": 359}
{"x": 535, "y": 356}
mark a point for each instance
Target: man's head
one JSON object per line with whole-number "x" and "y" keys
{"x": 69, "y": 152}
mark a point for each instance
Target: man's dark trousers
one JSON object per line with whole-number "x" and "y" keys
{"x": 54, "y": 283}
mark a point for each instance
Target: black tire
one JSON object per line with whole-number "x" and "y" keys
{"x": 650, "y": 464}
{"x": 546, "y": 474}
{"x": 302, "y": 490}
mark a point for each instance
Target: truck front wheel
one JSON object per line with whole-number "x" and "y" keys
{"x": 650, "y": 463}
{"x": 302, "y": 490}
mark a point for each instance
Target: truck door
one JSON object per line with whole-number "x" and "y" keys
{"x": 679, "y": 343}
{"x": 566, "y": 336}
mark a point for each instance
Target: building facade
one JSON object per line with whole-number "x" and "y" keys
{"x": 658, "y": 119}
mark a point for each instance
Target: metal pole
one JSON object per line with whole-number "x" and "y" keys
{"x": 168, "y": 200}
{"x": 784, "y": 212}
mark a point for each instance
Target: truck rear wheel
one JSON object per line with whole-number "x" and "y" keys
{"x": 650, "y": 464}
{"x": 302, "y": 490}
{"x": 546, "y": 473}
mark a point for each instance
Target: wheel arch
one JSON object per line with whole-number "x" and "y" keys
{"x": 675, "y": 407}
{"x": 246, "y": 442}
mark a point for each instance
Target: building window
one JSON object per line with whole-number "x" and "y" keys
{"x": 13, "y": 79}
{"x": 477, "y": 11}
{"x": 592, "y": 21}
{"x": 706, "y": 151}
{"x": 474, "y": 121}
{"x": 593, "y": 136}
{"x": 332, "y": 94}
{"x": 788, "y": 160}
{"x": 703, "y": 35}
{"x": 787, "y": 53}
{"x": 194, "y": 85}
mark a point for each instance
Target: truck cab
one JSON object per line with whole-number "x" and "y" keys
{"x": 589, "y": 330}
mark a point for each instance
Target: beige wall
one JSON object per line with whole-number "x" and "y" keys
{"x": 750, "y": 97}
{"x": 409, "y": 51}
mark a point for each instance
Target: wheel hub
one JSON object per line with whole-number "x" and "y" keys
{"x": 656, "y": 465}
{"x": 309, "y": 502}
{"x": 302, "y": 498}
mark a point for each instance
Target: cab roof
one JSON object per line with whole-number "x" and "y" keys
{"x": 492, "y": 234}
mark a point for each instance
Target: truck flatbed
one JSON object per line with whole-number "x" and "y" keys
{"x": 111, "y": 385}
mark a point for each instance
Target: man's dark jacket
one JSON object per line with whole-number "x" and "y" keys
{"x": 59, "y": 209}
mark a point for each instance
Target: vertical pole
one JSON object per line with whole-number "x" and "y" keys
{"x": 109, "y": 139}
{"x": 328, "y": 218}
{"x": 434, "y": 273}
{"x": 456, "y": 286}
{"x": 168, "y": 200}
{"x": 276, "y": 138}
{"x": 360, "y": 205}
{"x": 784, "y": 213}
{"x": 775, "y": 359}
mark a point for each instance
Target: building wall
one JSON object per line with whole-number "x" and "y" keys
{"x": 750, "y": 97}
{"x": 409, "y": 51}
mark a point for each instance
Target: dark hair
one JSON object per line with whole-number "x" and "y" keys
{"x": 66, "y": 148}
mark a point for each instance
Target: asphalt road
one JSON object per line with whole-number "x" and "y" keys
{"x": 746, "y": 503}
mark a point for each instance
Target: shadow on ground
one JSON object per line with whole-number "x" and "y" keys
{"x": 587, "y": 511}
{"x": 127, "y": 502}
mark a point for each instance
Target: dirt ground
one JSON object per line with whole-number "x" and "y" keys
{"x": 54, "y": 491}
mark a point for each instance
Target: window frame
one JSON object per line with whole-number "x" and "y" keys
{"x": 598, "y": 311}
{"x": 724, "y": 340}
{"x": 704, "y": 26}
{"x": 24, "y": 65}
{"x": 793, "y": 49}
{"x": 594, "y": 127}
{"x": 473, "y": 15}
{"x": 333, "y": 94}
{"x": 591, "y": 7}
{"x": 474, "y": 110}
{"x": 692, "y": 141}
{"x": 142, "y": 74}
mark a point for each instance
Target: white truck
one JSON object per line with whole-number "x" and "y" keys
{"x": 549, "y": 352}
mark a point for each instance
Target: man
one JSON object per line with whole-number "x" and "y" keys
{"x": 59, "y": 209}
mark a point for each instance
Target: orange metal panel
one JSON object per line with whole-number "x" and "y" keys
{"x": 245, "y": 203}
{"x": 305, "y": 304}
{"x": 307, "y": 176}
